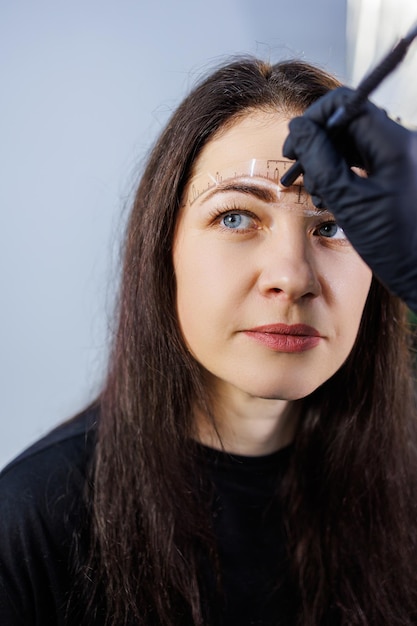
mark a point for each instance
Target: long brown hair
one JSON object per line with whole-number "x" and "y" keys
{"x": 351, "y": 490}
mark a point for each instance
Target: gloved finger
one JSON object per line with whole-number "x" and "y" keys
{"x": 327, "y": 176}
{"x": 288, "y": 147}
{"x": 317, "y": 201}
{"x": 371, "y": 134}
{"x": 316, "y": 152}
{"x": 343, "y": 142}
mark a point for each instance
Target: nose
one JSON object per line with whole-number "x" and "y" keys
{"x": 288, "y": 267}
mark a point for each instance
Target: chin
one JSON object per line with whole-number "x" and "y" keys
{"x": 286, "y": 392}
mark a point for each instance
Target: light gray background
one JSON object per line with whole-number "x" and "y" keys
{"x": 85, "y": 87}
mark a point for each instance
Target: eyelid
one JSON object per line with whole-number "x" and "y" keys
{"x": 217, "y": 214}
{"x": 259, "y": 211}
{"x": 224, "y": 209}
{"x": 332, "y": 222}
{"x": 322, "y": 218}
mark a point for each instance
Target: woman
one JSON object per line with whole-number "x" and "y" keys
{"x": 251, "y": 457}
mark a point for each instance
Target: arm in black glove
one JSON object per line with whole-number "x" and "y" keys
{"x": 379, "y": 212}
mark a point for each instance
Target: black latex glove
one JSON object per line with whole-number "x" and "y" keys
{"x": 377, "y": 213}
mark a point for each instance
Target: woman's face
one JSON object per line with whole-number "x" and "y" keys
{"x": 269, "y": 291}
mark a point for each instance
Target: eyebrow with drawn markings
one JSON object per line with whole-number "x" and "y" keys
{"x": 260, "y": 192}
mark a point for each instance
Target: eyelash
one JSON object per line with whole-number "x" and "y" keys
{"x": 218, "y": 214}
{"x": 332, "y": 223}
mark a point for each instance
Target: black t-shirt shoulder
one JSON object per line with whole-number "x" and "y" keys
{"x": 67, "y": 436}
{"x": 44, "y": 522}
{"x": 43, "y": 519}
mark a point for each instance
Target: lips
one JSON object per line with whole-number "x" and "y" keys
{"x": 285, "y": 338}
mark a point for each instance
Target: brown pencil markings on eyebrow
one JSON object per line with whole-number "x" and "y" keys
{"x": 259, "y": 191}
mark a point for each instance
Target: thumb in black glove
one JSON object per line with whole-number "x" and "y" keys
{"x": 378, "y": 212}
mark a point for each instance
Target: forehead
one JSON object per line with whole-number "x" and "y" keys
{"x": 258, "y": 135}
{"x": 249, "y": 150}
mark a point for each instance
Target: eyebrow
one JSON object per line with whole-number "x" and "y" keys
{"x": 259, "y": 192}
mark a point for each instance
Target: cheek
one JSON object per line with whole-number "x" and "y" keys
{"x": 198, "y": 283}
{"x": 350, "y": 288}
{"x": 208, "y": 279}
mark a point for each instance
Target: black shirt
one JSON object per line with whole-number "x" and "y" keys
{"x": 43, "y": 523}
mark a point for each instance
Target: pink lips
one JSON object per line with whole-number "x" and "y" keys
{"x": 284, "y": 338}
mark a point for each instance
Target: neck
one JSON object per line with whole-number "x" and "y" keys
{"x": 246, "y": 425}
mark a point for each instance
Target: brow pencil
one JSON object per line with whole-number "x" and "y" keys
{"x": 345, "y": 113}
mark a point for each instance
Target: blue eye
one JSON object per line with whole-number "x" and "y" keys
{"x": 331, "y": 230}
{"x": 236, "y": 221}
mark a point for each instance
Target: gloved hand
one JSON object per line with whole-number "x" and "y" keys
{"x": 379, "y": 212}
